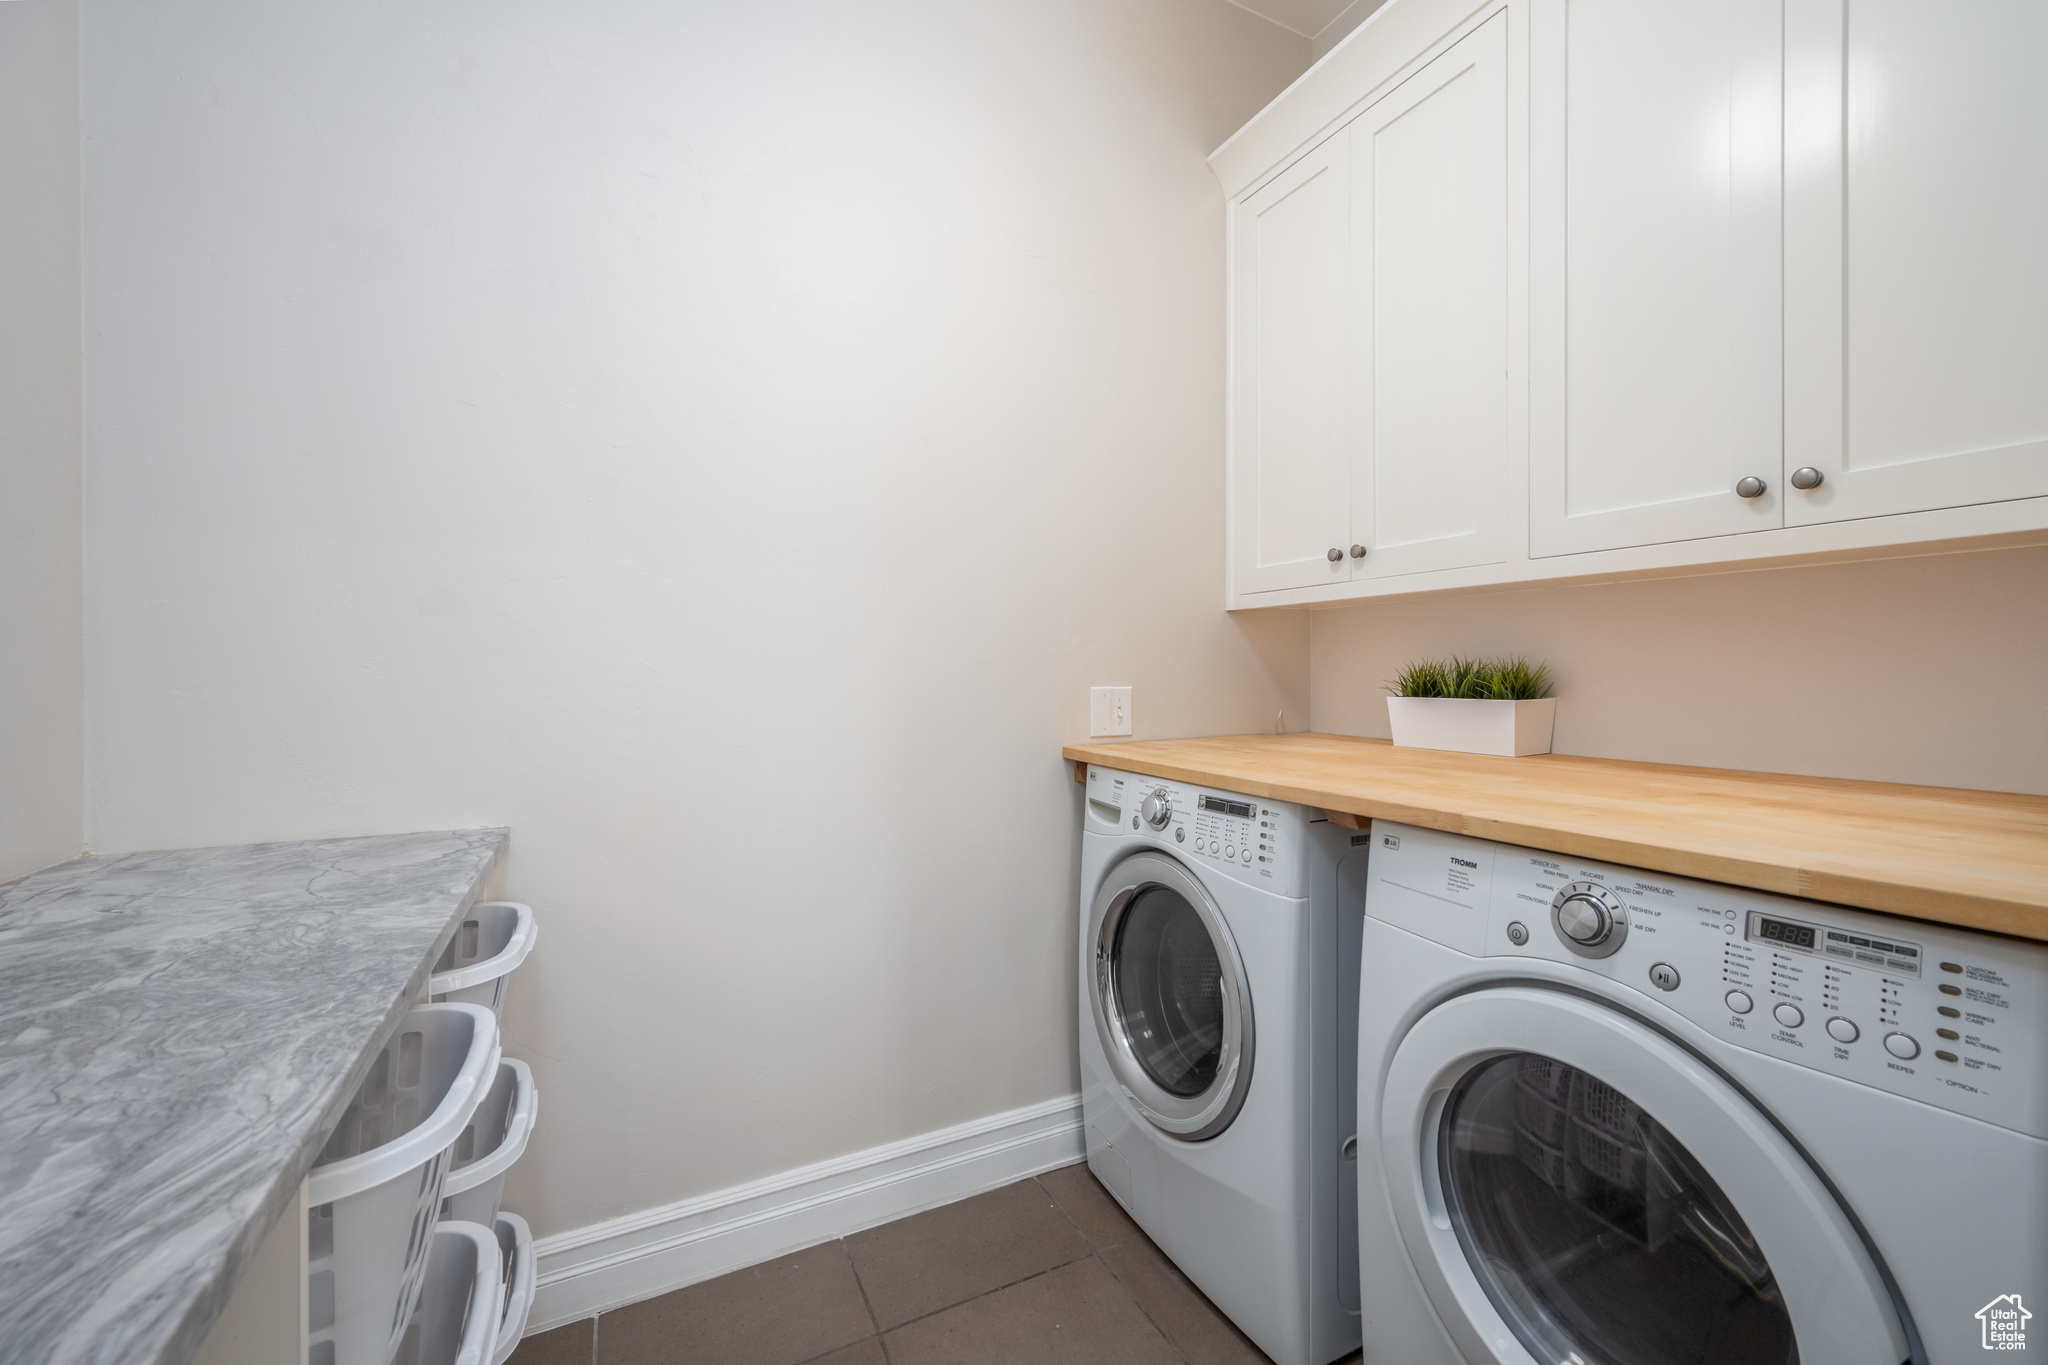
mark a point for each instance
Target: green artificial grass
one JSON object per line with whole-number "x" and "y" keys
{"x": 1509, "y": 679}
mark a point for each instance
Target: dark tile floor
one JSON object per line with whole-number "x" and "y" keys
{"x": 1047, "y": 1271}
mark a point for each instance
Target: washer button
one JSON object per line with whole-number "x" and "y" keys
{"x": 1180, "y": 836}
{"x": 1739, "y": 1002}
{"x": 1229, "y": 852}
{"x": 1901, "y": 1046}
{"x": 1664, "y": 976}
{"x": 1843, "y": 1031}
{"x": 1245, "y": 856}
{"x": 1789, "y": 1015}
{"x": 1518, "y": 933}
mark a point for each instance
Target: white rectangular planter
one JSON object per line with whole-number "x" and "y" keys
{"x": 1509, "y": 728}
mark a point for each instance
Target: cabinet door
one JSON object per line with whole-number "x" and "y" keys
{"x": 1429, "y": 281}
{"x": 1655, "y": 303}
{"x": 1916, "y": 217}
{"x": 1289, "y": 498}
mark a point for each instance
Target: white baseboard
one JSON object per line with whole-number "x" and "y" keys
{"x": 622, "y": 1260}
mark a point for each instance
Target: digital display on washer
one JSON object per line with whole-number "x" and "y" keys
{"x": 1885, "y": 955}
{"x": 1788, "y": 932}
{"x": 1242, "y": 810}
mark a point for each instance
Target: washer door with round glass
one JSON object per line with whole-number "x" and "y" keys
{"x": 1574, "y": 1188}
{"x": 1171, "y": 1002}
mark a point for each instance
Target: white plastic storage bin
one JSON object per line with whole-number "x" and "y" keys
{"x": 515, "y": 1255}
{"x": 461, "y": 1302}
{"x": 492, "y": 939}
{"x": 377, "y": 1187}
{"x": 495, "y": 1137}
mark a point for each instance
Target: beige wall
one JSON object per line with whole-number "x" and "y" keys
{"x": 1930, "y": 670}
{"x": 41, "y": 684}
{"x": 722, "y": 442}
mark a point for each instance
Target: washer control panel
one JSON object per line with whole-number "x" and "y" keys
{"x": 1953, "y": 1018}
{"x": 1254, "y": 840}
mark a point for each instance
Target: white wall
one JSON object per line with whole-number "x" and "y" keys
{"x": 1931, "y": 670}
{"x": 722, "y": 442}
{"x": 41, "y": 683}
{"x": 1340, "y": 28}
{"x": 1325, "y": 23}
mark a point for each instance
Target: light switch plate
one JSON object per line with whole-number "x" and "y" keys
{"x": 1109, "y": 712}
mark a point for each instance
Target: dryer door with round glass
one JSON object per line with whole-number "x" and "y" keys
{"x": 1171, "y": 1001}
{"x": 1572, "y": 1186}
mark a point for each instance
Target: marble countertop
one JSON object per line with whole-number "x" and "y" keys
{"x": 179, "y": 1032}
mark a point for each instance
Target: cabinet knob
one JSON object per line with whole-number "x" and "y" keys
{"x": 1751, "y": 487}
{"x": 1336, "y": 555}
{"x": 1806, "y": 476}
{"x": 1358, "y": 552}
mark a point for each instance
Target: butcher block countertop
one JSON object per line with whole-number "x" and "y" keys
{"x": 1952, "y": 856}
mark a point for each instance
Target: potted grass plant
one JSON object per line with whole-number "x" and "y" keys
{"x": 1473, "y": 706}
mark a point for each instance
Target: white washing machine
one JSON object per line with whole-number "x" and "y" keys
{"x": 1218, "y": 1024}
{"x": 1611, "y": 1117}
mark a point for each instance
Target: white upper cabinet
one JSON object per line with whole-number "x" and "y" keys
{"x": 1369, "y": 339}
{"x": 1539, "y": 289}
{"x": 1428, "y": 270}
{"x": 1290, "y": 473}
{"x": 1916, "y": 254}
{"x": 1654, "y": 360}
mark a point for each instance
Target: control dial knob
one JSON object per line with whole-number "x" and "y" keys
{"x": 1584, "y": 920}
{"x": 1157, "y": 809}
{"x": 1589, "y": 919}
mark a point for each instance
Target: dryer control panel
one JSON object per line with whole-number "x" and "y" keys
{"x": 1947, "y": 1016}
{"x": 1248, "y": 837}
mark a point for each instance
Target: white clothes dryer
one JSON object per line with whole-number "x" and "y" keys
{"x": 1614, "y": 1117}
{"x": 1217, "y": 1022}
